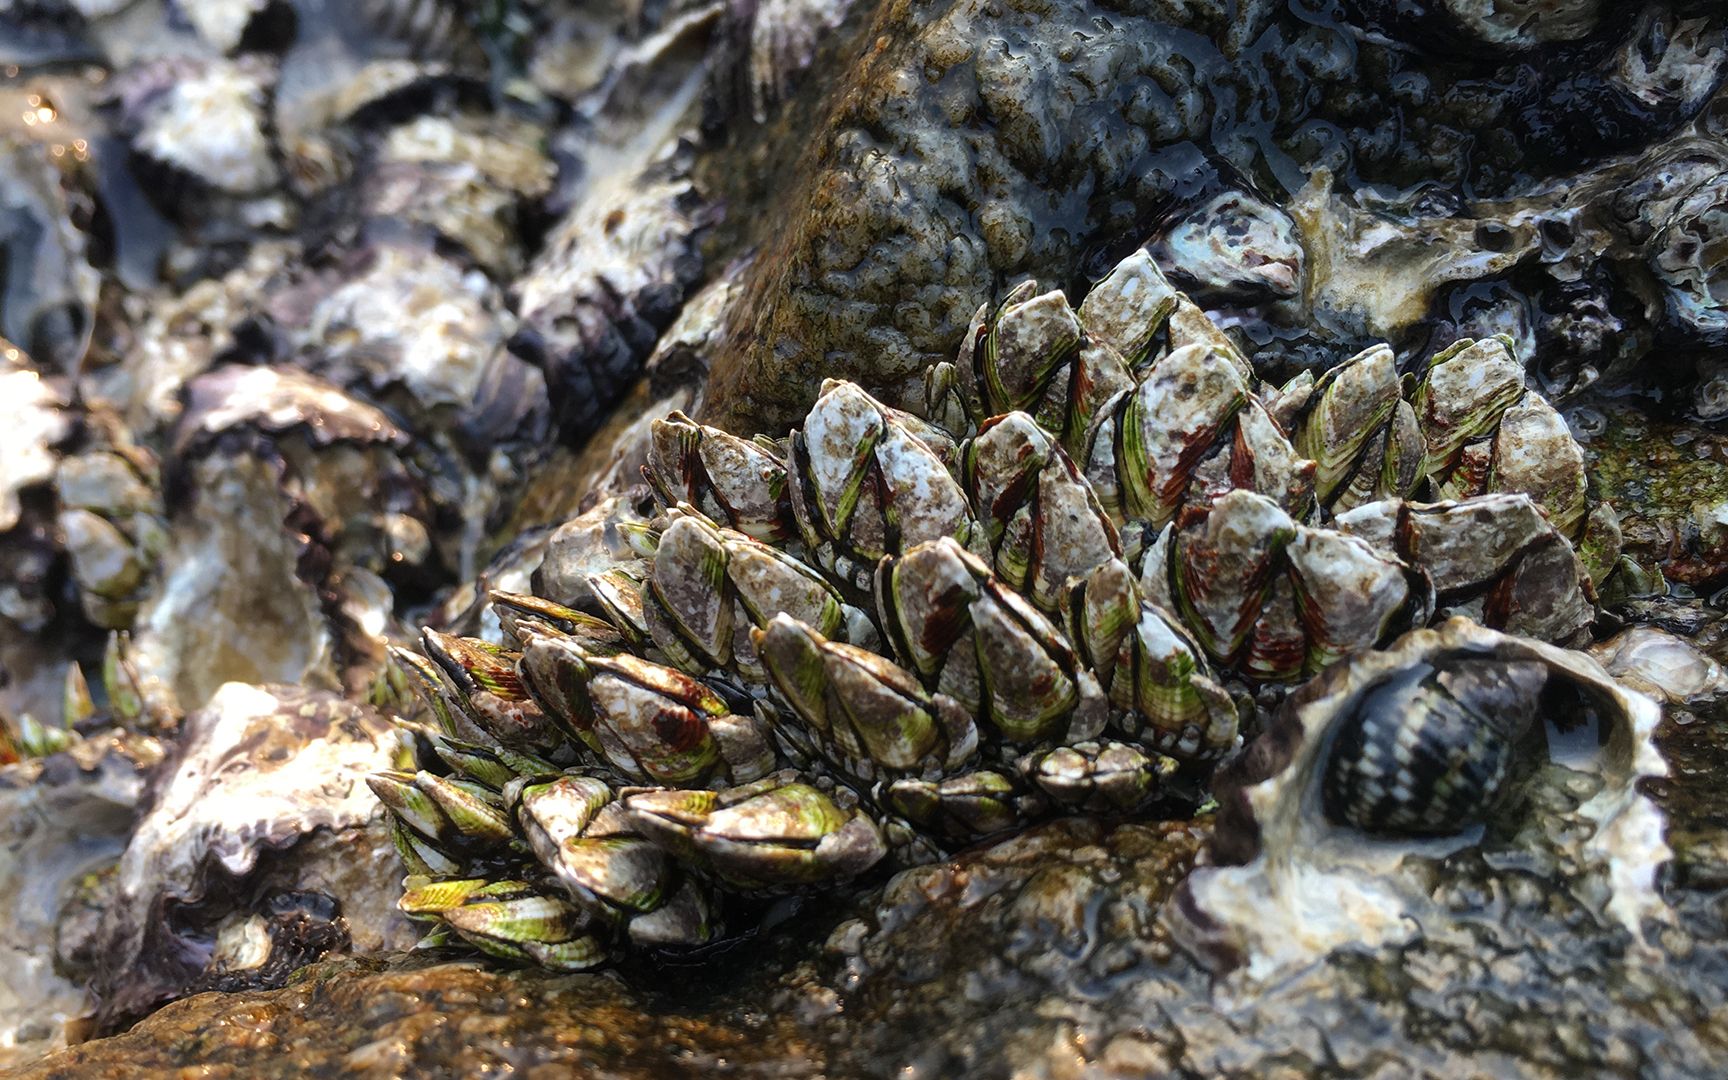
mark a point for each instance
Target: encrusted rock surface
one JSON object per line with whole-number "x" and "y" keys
{"x": 969, "y": 145}
{"x": 1672, "y": 479}
{"x": 457, "y": 242}
{"x": 1045, "y": 955}
{"x": 370, "y": 1019}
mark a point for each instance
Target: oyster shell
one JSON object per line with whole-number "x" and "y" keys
{"x": 1655, "y": 662}
{"x": 1235, "y": 246}
{"x": 38, "y": 421}
{"x": 256, "y": 772}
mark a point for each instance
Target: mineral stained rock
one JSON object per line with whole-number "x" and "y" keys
{"x": 367, "y": 1019}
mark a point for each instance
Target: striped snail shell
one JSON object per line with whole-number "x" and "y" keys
{"x": 1427, "y": 751}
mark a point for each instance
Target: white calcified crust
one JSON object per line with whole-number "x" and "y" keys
{"x": 34, "y": 421}
{"x": 438, "y": 325}
{"x": 259, "y": 768}
{"x": 212, "y": 126}
{"x": 1315, "y": 887}
{"x": 515, "y": 163}
{"x": 220, "y": 22}
{"x": 1681, "y": 74}
{"x": 231, "y": 555}
{"x": 784, "y": 38}
{"x": 625, "y": 235}
{"x": 181, "y": 336}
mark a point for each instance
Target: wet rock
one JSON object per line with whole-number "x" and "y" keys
{"x": 974, "y": 146}
{"x": 1655, "y": 662}
{"x": 65, "y": 818}
{"x": 952, "y": 962}
{"x": 371, "y": 1019}
{"x": 47, "y": 302}
{"x": 1048, "y": 955}
{"x": 963, "y": 154}
{"x": 964, "y": 988}
{"x": 1669, "y": 483}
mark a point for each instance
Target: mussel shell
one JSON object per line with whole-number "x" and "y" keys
{"x": 1428, "y": 753}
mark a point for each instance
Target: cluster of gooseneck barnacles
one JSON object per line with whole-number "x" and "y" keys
{"x": 888, "y": 635}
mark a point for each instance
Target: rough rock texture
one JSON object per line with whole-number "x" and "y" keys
{"x": 975, "y": 143}
{"x": 1045, "y": 956}
{"x": 1669, "y": 480}
{"x": 367, "y": 1019}
{"x": 970, "y": 144}
{"x": 64, "y": 817}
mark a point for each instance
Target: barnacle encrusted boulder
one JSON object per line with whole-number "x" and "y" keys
{"x": 976, "y": 144}
{"x": 934, "y": 184}
{"x": 882, "y": 640}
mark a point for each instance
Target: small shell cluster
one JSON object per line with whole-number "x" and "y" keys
{"x": 885, "y": 637}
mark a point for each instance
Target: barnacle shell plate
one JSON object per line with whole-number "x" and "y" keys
{"x": 1313, "y": 887}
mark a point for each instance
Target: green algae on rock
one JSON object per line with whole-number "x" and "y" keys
{"x": 1669, "y": 481}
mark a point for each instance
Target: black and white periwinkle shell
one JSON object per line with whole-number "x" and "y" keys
{"x": 1428, "y": 751}
{"x": 1390, "y": 760}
